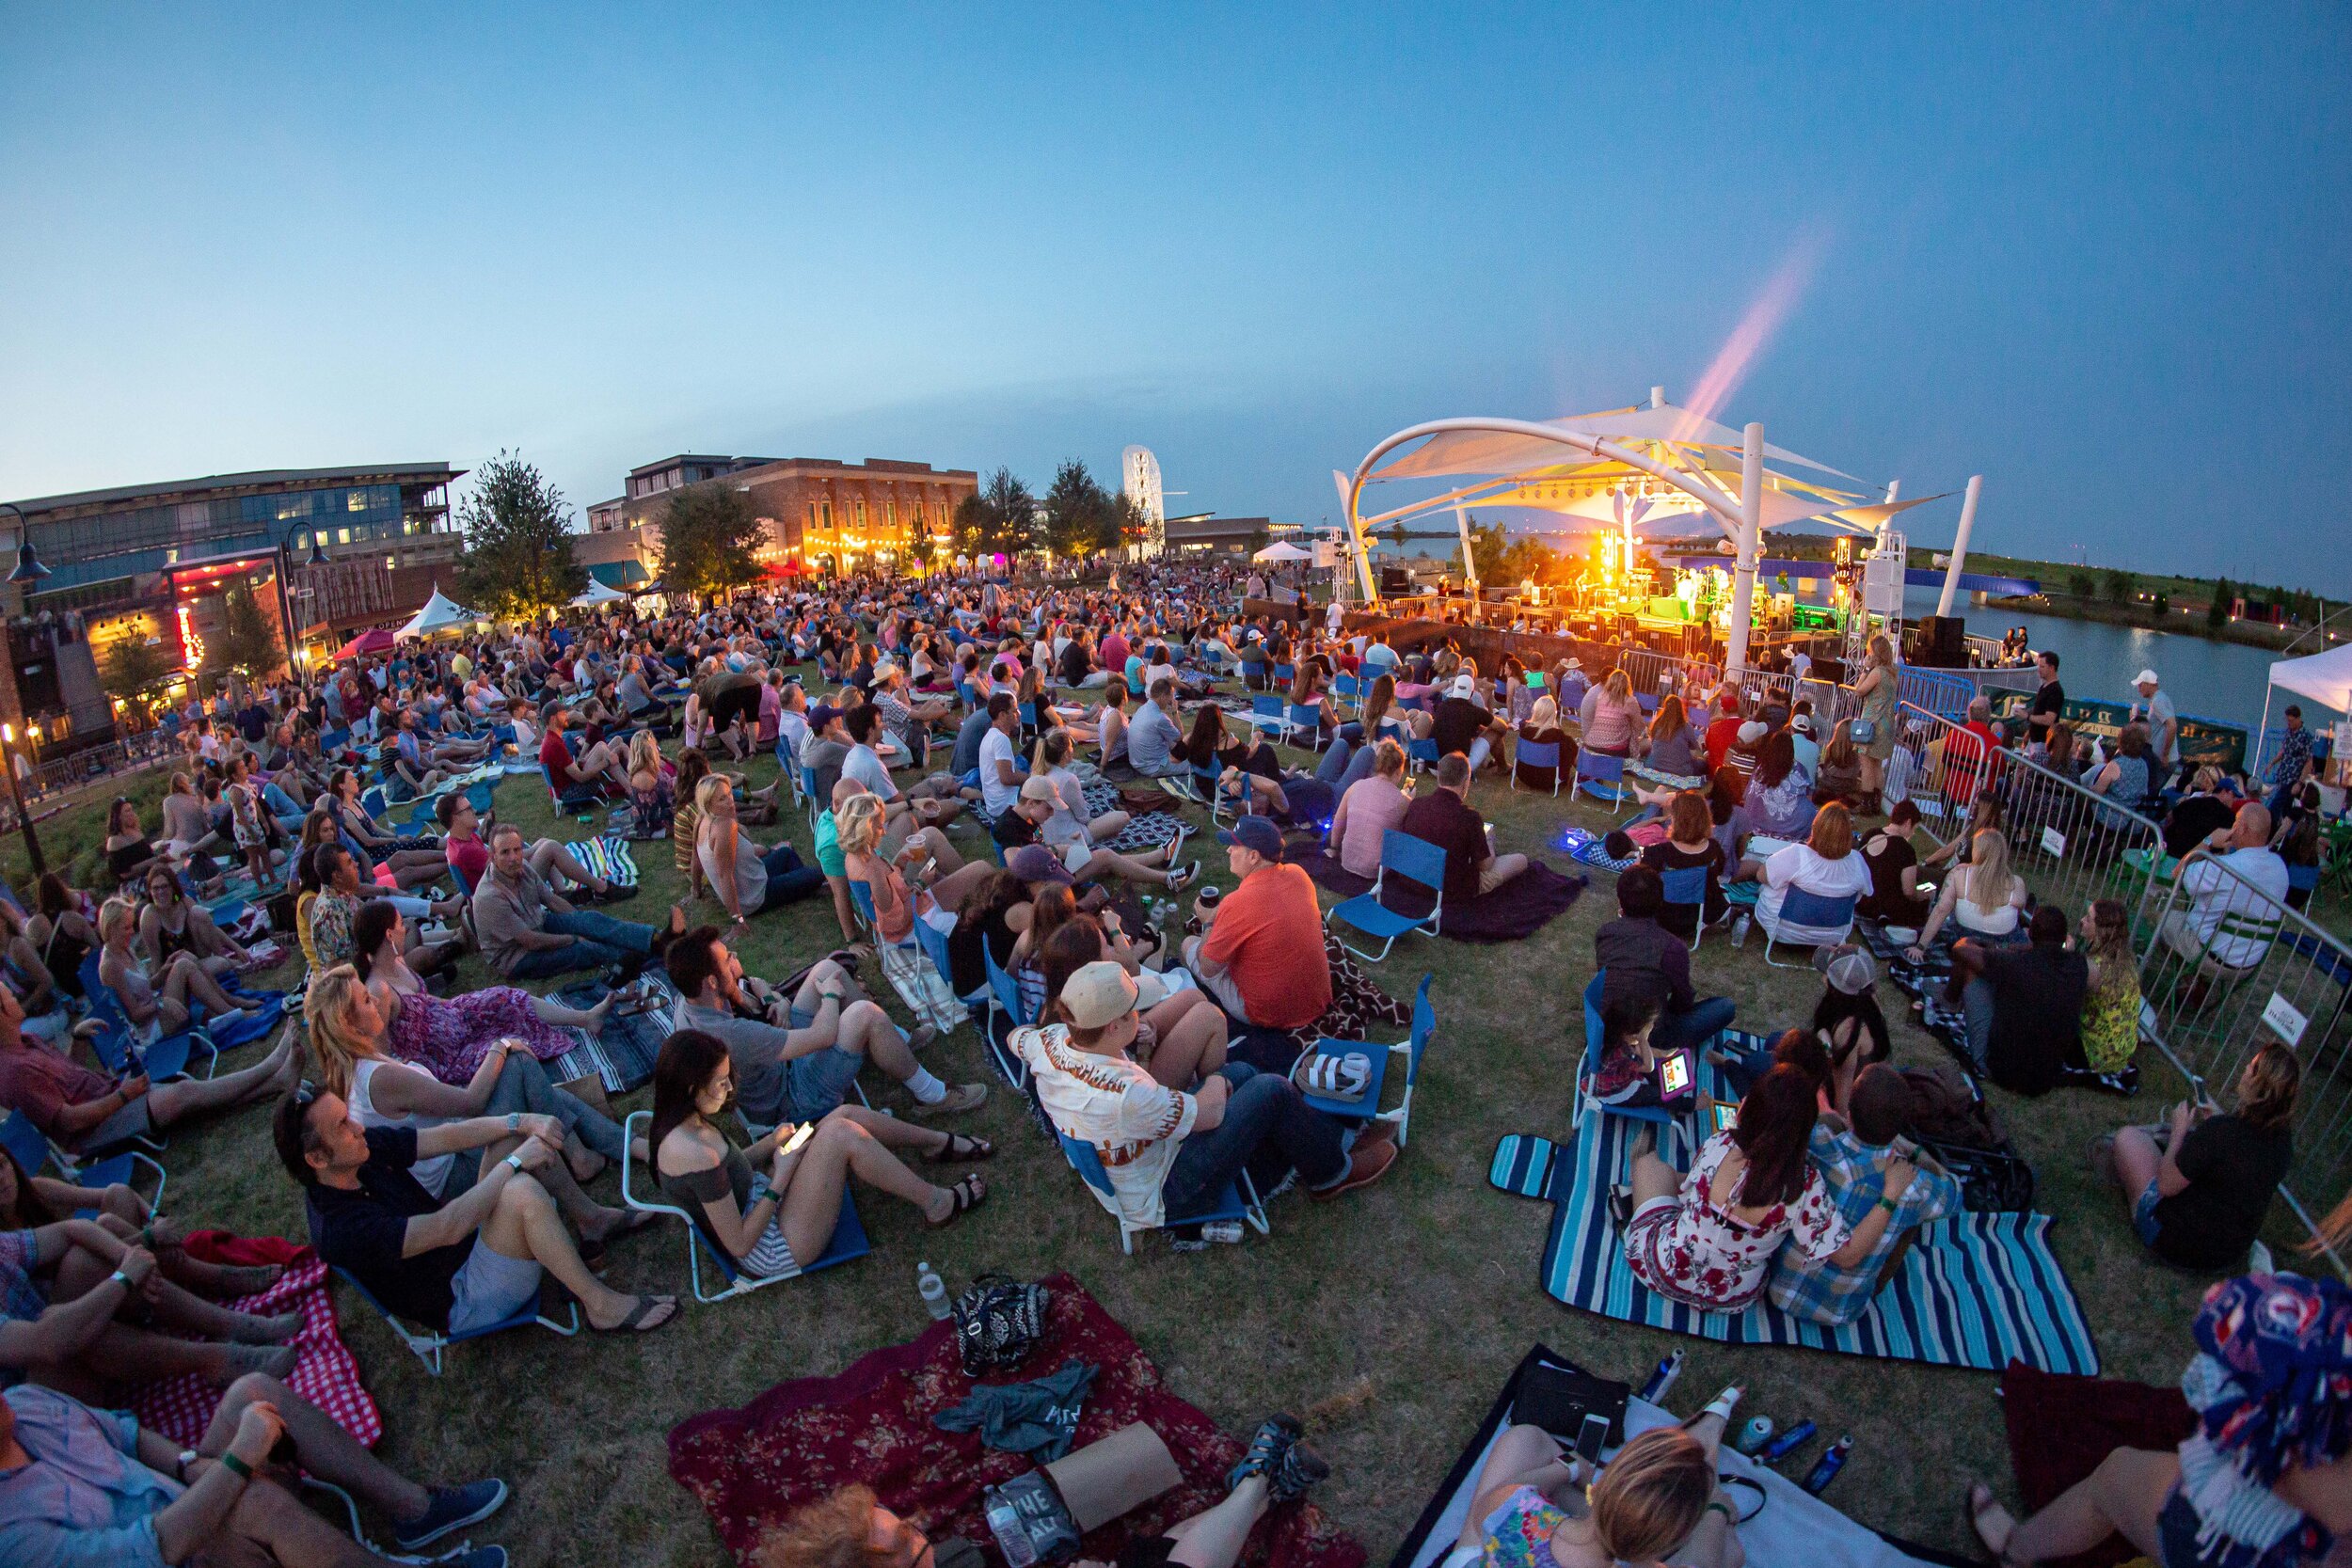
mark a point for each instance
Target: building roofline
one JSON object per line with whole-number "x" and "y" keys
{"x": 679, "y": 457}
{"x": 258, "y": 479}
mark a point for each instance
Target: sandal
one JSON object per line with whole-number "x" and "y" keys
{"x": 961, "y": 1147}
{"x": 646, "y": 1307}
{"x": 969, "y": 1193}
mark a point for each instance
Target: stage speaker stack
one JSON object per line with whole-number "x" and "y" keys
{"x": 1940, "y": 642}
{"x": 1395, "y": 583}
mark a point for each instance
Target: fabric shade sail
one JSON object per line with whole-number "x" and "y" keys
{"x": 2326, "y": 678}
{"x": 1454, "y": 452}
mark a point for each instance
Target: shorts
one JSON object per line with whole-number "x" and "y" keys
{"x": 818, "y": 1082}
{"x": 1151, "y": 1553}
{"x": 490, "y": 1288}
{"x": 127, "y": 1125}
{"x": 2176, "y": 1535}
{"x": 2144, "y": 1215}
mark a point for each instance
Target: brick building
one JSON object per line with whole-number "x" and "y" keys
{"x": 821, "y": 513}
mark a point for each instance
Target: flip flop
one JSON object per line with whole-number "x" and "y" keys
{"x": 961, "y": 1147}
{"x": 646, "y": 1307}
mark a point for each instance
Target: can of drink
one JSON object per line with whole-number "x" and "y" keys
{"x": 1209, "y": 895}
{"x": 1753, "y": 1436}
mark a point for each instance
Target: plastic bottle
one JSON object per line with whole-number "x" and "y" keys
{"x": 1787, "y": 1443}
{"x": 1832, "y": 1461}
{"x": 933, "y": 1288}
{"x": 1740, "y": 931}
{"x": 1663, "y": 1378}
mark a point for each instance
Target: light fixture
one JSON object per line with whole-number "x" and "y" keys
{"x": 28, "y": 567}
{"x": 318, "y": 552}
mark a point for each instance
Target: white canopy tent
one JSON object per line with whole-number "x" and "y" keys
{"x": 597, "y": 594}
{"x": 1283, "y": 551}
{"x": 440, "y": 614}
{"x": 2325, "y": 678}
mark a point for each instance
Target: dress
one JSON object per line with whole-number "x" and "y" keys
{"x": 1687, "y": 1250}
{"x": 448, "y": 1036}
{"x": 2110, "y": 1030}
{"x": 1879, "y": 709}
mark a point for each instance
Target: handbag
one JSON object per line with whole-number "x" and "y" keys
{"x": 1558, "y": 1399}
{"x": 998, "y": 1321}
{"x": 1862, "y": 730}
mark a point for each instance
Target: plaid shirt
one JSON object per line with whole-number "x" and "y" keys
{"x": 1853, "y": 1170}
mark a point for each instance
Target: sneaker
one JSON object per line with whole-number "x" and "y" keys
{"x": 1299, "y": 1468}
{"x": 959, "y": 1099}
{"x": 1274, "y": 1438}
{"x": 476, "y": 1556}
{"x": 1180, "y": 880}
{"x": 1366, "y": 1164}
{"x": 451, "y": 1507}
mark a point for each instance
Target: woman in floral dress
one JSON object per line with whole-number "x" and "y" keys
{"x": 449, "y": 1035}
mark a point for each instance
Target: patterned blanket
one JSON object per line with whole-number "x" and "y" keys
{"x": 872, "y": 1425}
{"x": 607, "y": 857}
{"x": 622, "y": 1057}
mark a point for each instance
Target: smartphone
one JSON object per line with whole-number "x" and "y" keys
{"x": 801, "y": 1135}
{"x": 1674, "y": 1074}
{"x": 1591, "y": 1438}
{"x": 1724, "y": 1115}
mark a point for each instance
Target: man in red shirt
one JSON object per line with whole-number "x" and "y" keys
{"x": 1969, "y": 758}
{"x": 82, "y": 1111}
{"x": 1262, "y": 956}
{"x": 1724, "y": 733}
{"x": 469, "y": 855}
{"x": 600, "y": 764}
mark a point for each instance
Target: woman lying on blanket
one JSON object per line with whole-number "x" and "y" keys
{"x": 773, "y": 1223}
{"x": 356, "y": 1063}
{"x": 1535, "y": 1507}
{"x": 1707, "y": 1239}
{"x": 2262, "y": 1481}
{"x": 50, "y": 1264}
{"x": 448, "y": 1036}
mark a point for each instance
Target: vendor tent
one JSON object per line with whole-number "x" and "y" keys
{"x": 1285, "y": 551}
{"x": 376, "y": 640}
{"x": 440, "y": 614}
{"x": 2326, "y": 678}
{"x": 597, "y": 594}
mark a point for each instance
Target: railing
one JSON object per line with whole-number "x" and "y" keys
{"x": 2071, "y": 844}
{"x": 59, "y": 776}
{"x": 2226, "y": 969}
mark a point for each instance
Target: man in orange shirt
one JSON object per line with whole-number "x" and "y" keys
{"x": 1262, "y": 956}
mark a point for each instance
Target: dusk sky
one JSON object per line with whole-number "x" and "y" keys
{"x": 2099, "y": 256}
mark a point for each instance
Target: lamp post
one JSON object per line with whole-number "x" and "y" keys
{"x": 28, "y": 571}
{"x": 285, "y": 597}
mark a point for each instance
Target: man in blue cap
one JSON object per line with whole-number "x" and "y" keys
{"x": 1260, "y": 957}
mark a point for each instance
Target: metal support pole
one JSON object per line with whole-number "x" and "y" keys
{"x": 1960, "y": 545}
{"x": 1751, "y": 534}
{"x": 1470, "y": 562}
{"x": 16, "y": 796}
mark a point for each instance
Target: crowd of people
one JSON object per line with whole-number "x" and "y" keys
{"x": 954, "y": 802}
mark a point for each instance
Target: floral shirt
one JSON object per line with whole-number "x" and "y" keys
{"x": 1697, "y": 1253}
{"x": 1519, "y": 1531}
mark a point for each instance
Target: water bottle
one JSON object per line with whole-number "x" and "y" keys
{"x": 1740, "y": 931}
{"x": 1787, "y": 1443}
{"x": 933, "y": 1288}
{"x": 1832, "y": 1461}
{"x": 1662, "y": 1378}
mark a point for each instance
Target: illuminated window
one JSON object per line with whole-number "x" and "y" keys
{"x": 302, "y": 539}
{"x": 890, "y": 513}
{"x": 343, "y": 536}
{"x": 861, "y": 515}
{"x": 828, "y": 509}
{"x": 355, "y": 501}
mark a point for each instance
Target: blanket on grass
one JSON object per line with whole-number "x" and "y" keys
{"x": 622, "y": 1057}
{"x": 1977, "y": 1290}
{"x": 873, "y": 1425}
{"x": 2061, "y": 1428}
{"x": 1511, "y": 912}
{"x": 326, "y": 1374}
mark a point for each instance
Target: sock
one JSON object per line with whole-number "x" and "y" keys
{"x": 927, "y": 1089}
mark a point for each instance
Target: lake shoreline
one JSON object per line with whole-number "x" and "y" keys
{"x": 2244, "y": 633}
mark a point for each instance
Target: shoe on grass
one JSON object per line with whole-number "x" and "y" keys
{"x": 451, "y": 1507}
{"x": 959, "y": 1099}
{"x": 1267, "y": 1444}
{"x": 1299, "y": 1468}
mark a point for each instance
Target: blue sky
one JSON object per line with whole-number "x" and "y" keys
{"x": 2099, "y": 255}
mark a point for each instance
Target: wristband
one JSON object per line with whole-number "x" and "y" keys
{"x": 514, "y": 1162}
{"x": 122, "y": 1279}
{"x": 236, "y": 1466}
{"x": 1714, "y": 1503}
{"x": 1890, "y": 1204}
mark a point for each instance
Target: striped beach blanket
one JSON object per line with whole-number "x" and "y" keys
{"x": 1976, "y": 1289}
{"x": 621, "y": 1057}
{"x": 607, "y": 857}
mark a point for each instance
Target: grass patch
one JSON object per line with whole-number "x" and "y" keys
{"x": 1394, "y": 1315}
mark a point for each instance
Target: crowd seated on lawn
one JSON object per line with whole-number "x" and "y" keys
{"x": 448, "y": 1035}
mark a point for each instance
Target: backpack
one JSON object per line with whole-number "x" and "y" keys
{"x": 1947, "y": 1110}
{"x": 998, "y": 1321}
{"x": 1992, "y": 1181}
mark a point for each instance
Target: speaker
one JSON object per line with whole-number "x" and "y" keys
{"x": 1395, "y": 583}
{"x": 1940, "y": 642}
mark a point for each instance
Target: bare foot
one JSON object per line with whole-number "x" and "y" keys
{"x": 248, "y": 1280}
{"x": 268, "y": 1331}
{"x": 596, "y": 1014}
{"x": 275, "y": 1361}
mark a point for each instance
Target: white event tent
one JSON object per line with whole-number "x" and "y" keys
{"x": 440, "y": 614}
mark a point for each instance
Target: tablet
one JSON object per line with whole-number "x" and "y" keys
{"x": 1674, "y": 1074}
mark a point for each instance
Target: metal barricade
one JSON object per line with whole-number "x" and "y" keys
{"x": 2071, "y": 844}
{"x": 2225, "y": 969}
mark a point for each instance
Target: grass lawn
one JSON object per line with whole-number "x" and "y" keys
{"x": 1390, "y": 1319}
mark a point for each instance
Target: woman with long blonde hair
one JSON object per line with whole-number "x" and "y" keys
{"x": 744, "y": 877}
{"x": 1876, "y": 693}
{"x": 155, "y": 999}
{"x": 1657, "y": 1499}
{"x": 941, "y": 882}
{"x": 1984, "y": 897}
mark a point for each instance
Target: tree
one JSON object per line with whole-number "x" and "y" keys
{"x": 997, "y": 520}
{"x": 1122, "y": 524}
{"x": 1503, "y": 560}
{"x": 2219, "y": 611}
{"x": 2120, "y": 585}
{"x": 518, "y": 556}
{"x": 709, "y": 541}
{"x": 132, "y": 668}
{"x": 246, "y": 643}
{"x": 2078, "y": 583}
{"x": 1081, "y": 517}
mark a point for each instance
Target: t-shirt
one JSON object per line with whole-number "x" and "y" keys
{"x": 365, "y": 1232}
{"x": 996, "y": 795}
{"x": 2196, "y": 818}
{"x": 41, "y": 1084}
{"x": 968, "y": 733}
{"x": 1445, "y": 819}
{"x": 757, "y": 1047}
{"x": 1269, "y": 933}
{"x": 1373, "y": 805}
{"x": 2233, "y": 1168}
{"x": 555, "y": 757}
{"x": 1888, "y": 857}
{"x": 2161, "y": 713}
{"x": 827, "y": 842}
{"x": 1721, "y": 736}
{"x": 1457, "y": 723}
{"x": 865, "y": 765}
{"x": 469, "y": 857}
{"x": 2049, "y": 701}
{"x": 2036, "y": 1014}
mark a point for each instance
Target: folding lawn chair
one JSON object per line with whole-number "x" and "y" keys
{"x": 1416, "y": 858}
{"x": 115, "y": 1044}
{"x": 1602, "y": 777}
{"x": 849, "y": 1235}
{"x": 31, "y": 1149}
{"x": 1238, "y": 1201}
{"x": 1419, "y": 755}
{"x": 430, "y": 1342}
{"x": 1411, "y": 1048}
{"x": 1686, "y": 888}
{"x": 1270, "y": 714}
{"x": 1595, "y": 1046}
{"x": 1004, "y": 997}
{"x": 1299, "y": 719}
{"x": 1537, "y": 754}
{"x": 1807, "y": 920}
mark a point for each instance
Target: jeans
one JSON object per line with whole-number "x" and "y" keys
{"x": 788, "y": 881}
{"x": 1268, "y": 1130}
{"x": 1708, "y": 1017}
{"x": 599, "y": 939}
{"x": 1334, "y": 764}
{"x": 1977, "y": 1001}
{"x": 1352, "y": 733}
{"x": 523, "y": 1086}
{"x": 281, "y": 805}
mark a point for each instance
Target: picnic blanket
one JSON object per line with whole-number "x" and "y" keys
{"x": 2061, "y": 1428}
{"x": 622, "y": 1057}
{"x": 1516, "y": 910}
{"x": 1587, "y": 848}
{"x": 1147, "y": 828}
{"x": 607, "y": 857}
{"x": 325, "y": 1373}
{"x": 1977, "y": 1290}
{"x": 873, "y": 1425}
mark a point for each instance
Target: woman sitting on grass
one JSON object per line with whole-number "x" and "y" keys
{"x": 741, "y": 875}
{"x": 1674, "y": 744}
{"x": 415, "y": 860}
{"x": 1984, "y": 899}
{"x": 449, "y": 1036}
{"x": 2110, "y": 1033}
{"x": 171, "y": 924}
{"x": 1824, "y": 864}
{"x": 767, "y": 1224}
{"x": 1535, "y": 1507}
{"x": 2200, "y": 1185}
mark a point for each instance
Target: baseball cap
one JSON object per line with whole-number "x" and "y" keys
{"x": 1098, "y": 994}
{"x": 1034, "y": 863}
{"x": 1751, "y": 731}
{"x": 823, "y": 714}
{"x": 1847, "y": 969}
{"x": 2146, "y": 678}
{"x": 1801, "y": 724}
{"x": 1256, "y": 832}
{"x": 1038, "y": 789}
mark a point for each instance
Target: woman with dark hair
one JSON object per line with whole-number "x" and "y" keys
{"x": 1707, "y": 1239}
{"x": 1779, "y": 801}
{"x": 992, "y": 917}
{"x": 171, "y": 924}
{"x": 1179, "y": 1038}
{"x": 449, "y": 1036}
{"x": 128, "y": 849}
{"x": 1672, "y": 744}
{"x": 766, "y": 1223}
{"x": 1726, "y": 790}
{"x": 62, "y": 929}
{"x": 1690, "y": 845}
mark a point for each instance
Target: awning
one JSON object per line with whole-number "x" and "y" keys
{"x": 621, "y": 574}
{"x": 2326, "y": 678}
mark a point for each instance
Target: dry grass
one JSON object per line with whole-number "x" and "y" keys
{"x": 1393, "y": 1316}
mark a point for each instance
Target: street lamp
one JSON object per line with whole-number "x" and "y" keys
{"x": 28, "y": 568}
{"x": 16, "y": 795}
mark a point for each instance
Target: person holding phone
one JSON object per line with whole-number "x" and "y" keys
{"x": 770, "y": 1208}
{"x": 1535, "y": 1507}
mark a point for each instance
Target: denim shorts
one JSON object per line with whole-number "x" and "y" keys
{"x": 2144, "y": 1215}
{"x": 818, "y": 1082}
{"x": 490, "y": 1288}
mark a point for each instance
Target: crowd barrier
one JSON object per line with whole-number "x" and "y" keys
{"x": 2224, "y": 970}
{"x": 48, "y": 782}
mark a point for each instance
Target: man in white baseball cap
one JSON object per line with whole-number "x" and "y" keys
{"x": 2164, "y": 728}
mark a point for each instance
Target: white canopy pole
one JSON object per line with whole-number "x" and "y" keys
{"x": 1470, "y": 561}
{"x": 1359, "y": 554}
{"x": 1960, "y": 545}
{"x": 1751, "y": 534}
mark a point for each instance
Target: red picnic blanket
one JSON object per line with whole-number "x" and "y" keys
{"x": 872, "y": 1426}
{"x": 181, "y": 1408}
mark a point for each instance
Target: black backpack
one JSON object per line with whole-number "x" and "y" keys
{"x": 1992, "y": 1181}
{"x": 998, "y": 1321}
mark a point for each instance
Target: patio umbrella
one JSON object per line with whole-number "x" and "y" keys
{"x": 377, "y": 639}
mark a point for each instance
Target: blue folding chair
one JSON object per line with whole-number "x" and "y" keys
{"x": 1411, "y": 1048}
{"x": 114, "y": 1047}
{"x": 31, "y": 1149}
{"x": 1419, "y": 755}
{"x": 1807, "y": 920}
{"x": 1285, "y": 673}
{"x": 1270, "y": 714}
{"x": 1298, "y": 719}
{"x": 566, "y": 799}
{"x": 1602, "y": 777}
{"x": 1415, "y": 857}
{"x": 1346, "y": 687}
{"x": 1686, "y": 888}
{"x": 934, "y": 944}
{"x": 1238, "y": 1201}
{"x": 1537, "y": 754}
{"x": 429, "y": 1343}
{"x": 849, "y": 1241}
{"x": 1596, "y": 1046}
{"x": 1004, "y": 998}
{"x": 808, "y": 793}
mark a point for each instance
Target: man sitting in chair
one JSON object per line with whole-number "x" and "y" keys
{"x": 602, "y": 765}
{"x": 460, "y": 1266}
{"x": 1445, "y": 817}
{"x": 1863, "y": 1173}
{"x": 1262, "y": 956}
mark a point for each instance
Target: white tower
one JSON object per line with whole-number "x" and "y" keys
{"x": 1142, "y": 471}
